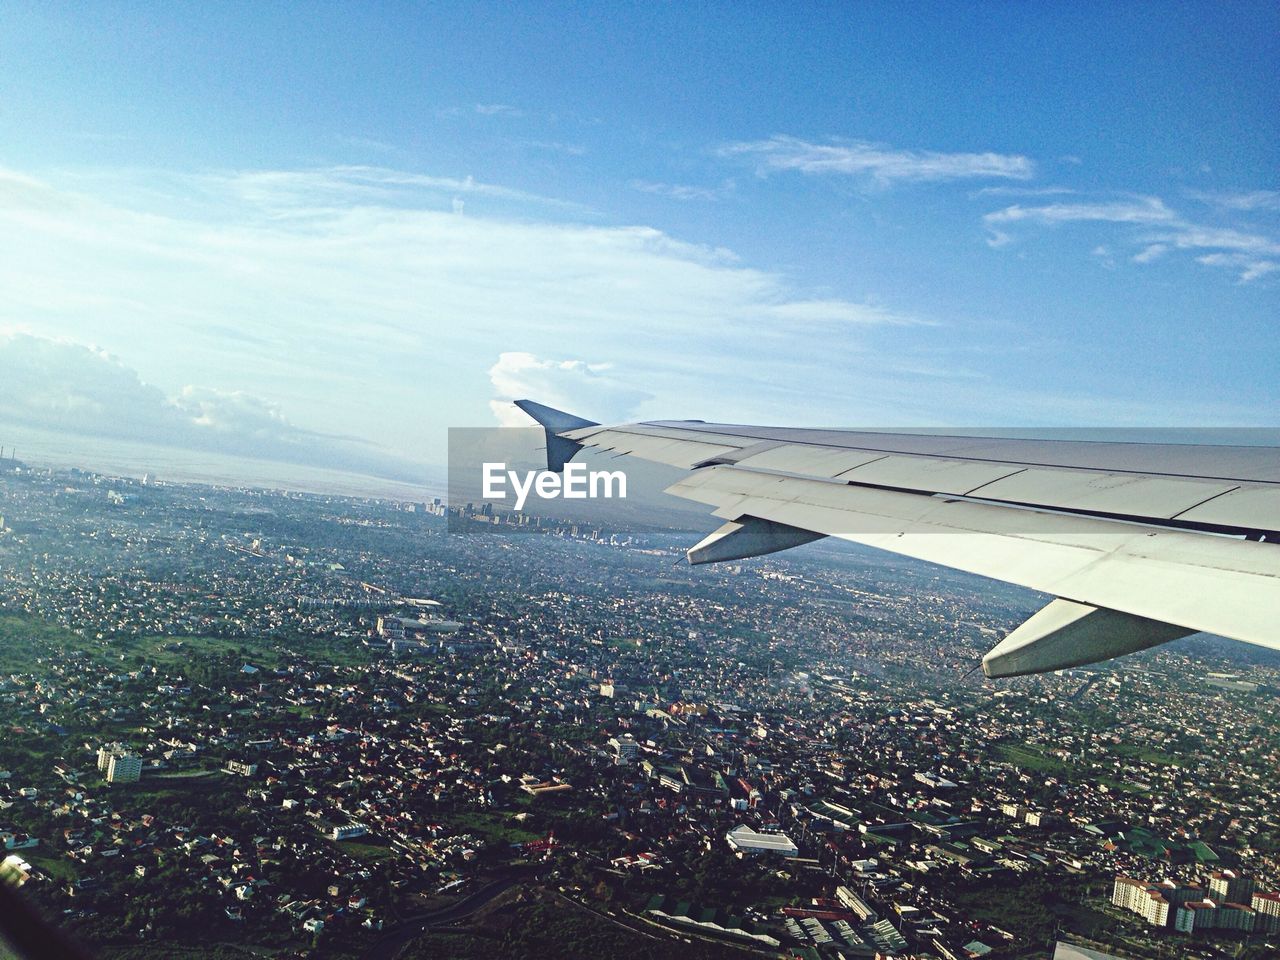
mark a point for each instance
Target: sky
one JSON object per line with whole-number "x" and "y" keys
{"x": 323, "y": 234}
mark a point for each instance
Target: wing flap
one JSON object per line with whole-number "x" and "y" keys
{"x": 1123, "y": 494}
{"x": 814, "y": 461}
{"x": 1203, "y": 582}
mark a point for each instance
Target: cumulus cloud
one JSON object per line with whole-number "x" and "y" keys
{"x": 881, "y": 164}
{"x": 359, "y": 291}
{"x": 593, "y": 390}
{"x": 69, "y": 387}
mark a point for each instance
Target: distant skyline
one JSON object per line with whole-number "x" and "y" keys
{"x": 325, "y": 234}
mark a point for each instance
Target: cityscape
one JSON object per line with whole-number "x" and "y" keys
{"x": 249, "y": 722}
{"x": 632, "y": 481}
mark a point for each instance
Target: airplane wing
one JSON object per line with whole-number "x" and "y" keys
{"x": 1139, "y": 543}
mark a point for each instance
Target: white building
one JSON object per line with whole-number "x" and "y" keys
{"x": 1266, "y": 906}
{"x": 625, "y": 748}
{"x": 105, "y": 753}
{"x": 742, "y": 839}
{"x": 860, "y": 908}
{"x": 1145, "y": 899}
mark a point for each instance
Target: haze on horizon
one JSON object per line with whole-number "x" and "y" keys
{"x": 321, "y": 237}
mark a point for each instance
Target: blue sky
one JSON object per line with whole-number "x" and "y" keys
{"x": 327, "y": 232}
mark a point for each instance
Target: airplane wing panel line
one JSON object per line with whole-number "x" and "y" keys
{"x": 1194, "y": 506}
{"x": 970, "y": 493}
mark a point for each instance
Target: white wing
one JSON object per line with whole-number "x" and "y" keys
{"x": 1139, "y": 543}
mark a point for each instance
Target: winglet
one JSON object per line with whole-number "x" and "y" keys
{"x": 560, "y": 450}
{"x": 551, "y": 418}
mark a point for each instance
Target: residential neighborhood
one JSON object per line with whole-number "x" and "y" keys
{"x": 301, "y": 724}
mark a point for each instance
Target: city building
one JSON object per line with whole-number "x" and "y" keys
{"x": 744, "y": 840}
{"x": 1230, "y": 887}
{"x": 625, "y": 748}
{"x": 1266, "y": 908}
{"x": 106, "y": 752}
{"x": 859, "y": 907}
{"x": 1208, "y": 915}
{"x": 1144, "y": 899}
{"x": 124, "y": 768}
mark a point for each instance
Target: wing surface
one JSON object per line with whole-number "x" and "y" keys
{"x": 1140, "y": 543}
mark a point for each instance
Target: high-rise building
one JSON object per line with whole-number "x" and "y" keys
{"x": 124, "y": 768}
{"x": 1208, "y": 915}
{"x": 1227, "y": 886}
{"x": 625, "y": 748}
{"x": 1266, "y": 908}
{"x": 109, "y": 763}
{"x": 1157, "y": 903}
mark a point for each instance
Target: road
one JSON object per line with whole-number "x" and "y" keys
{"x": 389, "y": 945}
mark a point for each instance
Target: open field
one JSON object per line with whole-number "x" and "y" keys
{"x": 1033, "y": 759}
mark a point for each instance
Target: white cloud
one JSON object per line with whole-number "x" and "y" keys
{"x": 824, "y": 313}
{"x": 355, "y": 301}
{"x": 1164, "y": 230}
{"x": 587, "y": 389}
{"x": 68, "y": 387}
{"x": 1140, "y": 210}
{"x": 479, "y": 109}
{"x": 1250, "y": 200}
{"x": 283, "y": 190}
{"x": 1250, "y": 268}
{"x": 498, "y": 110}
{"x": 311, "y": 305}
{"x": 557, "y": 146}
{"x": 1003, "y": 191}
{"x": 882, "y": 164}
{"x": 1152, "y": 252}
{"x": 679, "y": 191}
{"x": 1191, "y": 237}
